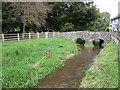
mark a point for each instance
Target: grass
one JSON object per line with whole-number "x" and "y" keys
{"x": 0, "y": 66}
{"x": 104, "y": 73}
{"x": 89, "y": 45}
{"x": 27, "y": 62}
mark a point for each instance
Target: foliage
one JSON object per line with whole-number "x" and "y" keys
{"x": 96, "y": 42}
{"x": 107, "y": 29}
{"x": 27, "y": 13}
{"x": 103, "y": 21}
{"x": 26, "y": 63}
{"x": 74, "y": 15}
{"x": 53, "y": 16}
{"x": 104, "y": 73}
{"x": 80, "y": 41}
{"x": 67, "y": 27}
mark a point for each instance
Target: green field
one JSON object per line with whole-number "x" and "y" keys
{"x": 0, "y": 66}
{"x": 104, "y": 73}
{"x": 26, "y": 63}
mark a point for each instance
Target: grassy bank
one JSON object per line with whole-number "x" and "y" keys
{"x": 104, "y": 73}
{"x": 27, "y": 62}
{"x": 0, "y": 66}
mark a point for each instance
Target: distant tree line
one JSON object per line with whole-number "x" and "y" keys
{"x": 52, "y": 16}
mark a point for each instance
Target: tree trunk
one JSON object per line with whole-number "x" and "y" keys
{"x": 0, "y": 28}
{"x": 23, "y": 36}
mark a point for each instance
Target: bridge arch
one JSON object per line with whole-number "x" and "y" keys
{"x": 99, "y": 42}
{"x": 80, "y": 41}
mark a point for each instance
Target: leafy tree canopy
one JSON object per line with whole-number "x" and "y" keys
{"x": 52, "y": 16}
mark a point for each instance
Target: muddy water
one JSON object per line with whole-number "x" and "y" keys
{"x": 74, "y": 70}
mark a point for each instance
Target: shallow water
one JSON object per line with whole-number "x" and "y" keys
{"x": 74, "y": 70}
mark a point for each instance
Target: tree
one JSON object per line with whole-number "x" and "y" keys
{"x": 106, "y": 19}
{"x": 78, "y": 15}
{"x": 103, "y": 21}
{"x": 67, "y": 27}
{"x": 25, "y": 13}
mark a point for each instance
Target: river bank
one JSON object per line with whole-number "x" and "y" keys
{"x": 104, "y": 73}
{"x": 26, "y": 63}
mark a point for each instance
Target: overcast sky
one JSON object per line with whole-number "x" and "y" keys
{"x": 110, "y": 6}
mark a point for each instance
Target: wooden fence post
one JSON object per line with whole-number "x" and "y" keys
{"x": 18, "y": 36}
{"x": 29, "y": 35}
{"x": 53, "y": 34}
{"x": 46, "y": 34}
{"x": 38, "y": 35}
{"x": 58, "y": 34}
{"x": 3, "y": 38}
{"x": 23, "y": 35}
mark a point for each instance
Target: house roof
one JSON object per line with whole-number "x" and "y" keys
{"x": 118, "y": 16}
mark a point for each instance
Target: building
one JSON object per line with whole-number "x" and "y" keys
{"x": 119, "y": 14}
{"x": 115, "y": 22}
{"x": 115, "y": 25}
{"x": 119, "y": 7}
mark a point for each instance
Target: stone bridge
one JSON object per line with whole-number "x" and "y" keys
{"x": 88, "y": 36}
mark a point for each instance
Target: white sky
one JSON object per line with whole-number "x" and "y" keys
{"x": 110, "y": 6}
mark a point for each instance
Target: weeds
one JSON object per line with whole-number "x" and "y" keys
{"x": 104, "y": 73}
{"x": 26, "y": 63}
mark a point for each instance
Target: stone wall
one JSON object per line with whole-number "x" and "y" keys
{"x": 115, "y": 40}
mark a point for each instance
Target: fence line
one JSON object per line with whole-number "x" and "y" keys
{"x": 27, "y": 36}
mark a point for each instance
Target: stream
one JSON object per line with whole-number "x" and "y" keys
{"x": 70, "y": 76}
